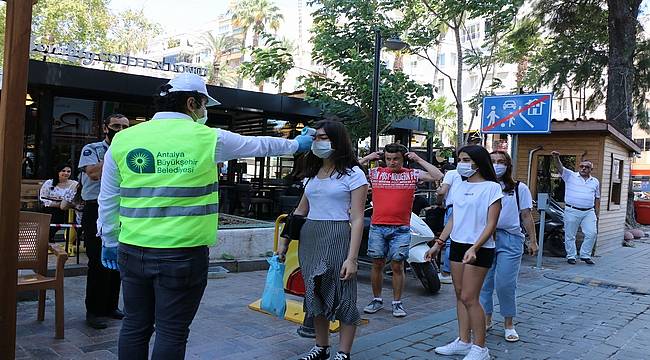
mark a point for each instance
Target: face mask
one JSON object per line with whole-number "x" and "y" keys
{"x": 465, "y": 169}
{"x": 322, "y": 149}
{"x": 111, "y": 134}
{"x": 500, "y": 169}
{"x": 201, "y": 120}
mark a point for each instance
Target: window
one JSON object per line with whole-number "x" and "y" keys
{"x": 452, "y": 59}
{"x": 441, "y": 59}
{"x": 441, "y": 85}
{"x": 472, "y": 32}
{"x": 549, "y": 179}
{"x": 577, "y": 105}
{"x": 640, "y": 142}
{"x": 647, "y": 145}
{"x": 616, "y": 180}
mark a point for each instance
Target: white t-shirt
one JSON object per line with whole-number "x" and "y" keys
{"x": 578, "y": 191}
{"x": 509, "y": 218}
{"x": 330, "y": 198}
{"x": 471, "y": 201}
{"x": 451, "y": 177}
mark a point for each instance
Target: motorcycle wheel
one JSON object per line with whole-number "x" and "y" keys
{"x": 428, "y": 276}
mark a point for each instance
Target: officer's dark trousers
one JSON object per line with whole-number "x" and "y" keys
{"x": 102, "y": 284}
{"x": 162, "y": 289}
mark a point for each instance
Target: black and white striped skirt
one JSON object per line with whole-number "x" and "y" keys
{"x": 323, "y": 248}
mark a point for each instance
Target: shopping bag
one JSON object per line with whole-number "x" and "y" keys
{"x": 273, "y": 298}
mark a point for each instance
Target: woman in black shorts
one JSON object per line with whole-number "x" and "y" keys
{"x": 477, "y": 204}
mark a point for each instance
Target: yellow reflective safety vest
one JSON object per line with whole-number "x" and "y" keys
{"x": 168, "y": 190}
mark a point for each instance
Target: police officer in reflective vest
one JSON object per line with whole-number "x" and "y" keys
{"x": 158, "y": 210}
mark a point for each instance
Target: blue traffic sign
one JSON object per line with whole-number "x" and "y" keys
{"x": 517, "y": 114}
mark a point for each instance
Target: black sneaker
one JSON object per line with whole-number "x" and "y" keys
{"x": 341, "y": 356}
{"x": 306, "y": 332}
{"x": 317, "y": 353}
{"x": 588, "y": 261}
{"x": 571, "y": 261}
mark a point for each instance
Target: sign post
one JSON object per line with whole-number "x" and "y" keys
{"x": 542, "y": 205}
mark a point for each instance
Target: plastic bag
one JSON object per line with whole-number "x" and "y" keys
{"x": 273, "y": 298}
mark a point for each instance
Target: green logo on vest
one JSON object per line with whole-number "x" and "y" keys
{"x": 141, "y": 161}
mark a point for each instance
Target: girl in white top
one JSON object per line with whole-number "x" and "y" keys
{"x": 53, "y": 192}
{"x": 477, "y": 204}
{"x": 334, "y": 198}
{"x": 516, "y": 206}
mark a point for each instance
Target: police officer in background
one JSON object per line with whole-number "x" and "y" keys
{"x": 102, "y": 284}
{"x": 159, "y": 201}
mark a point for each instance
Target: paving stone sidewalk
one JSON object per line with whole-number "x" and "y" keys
{"x": 566, "y": 312}
{"x": 591, "y": 312}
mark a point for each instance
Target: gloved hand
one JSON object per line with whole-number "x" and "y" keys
{"x": 305, "y": 139}
{"x": 109, "y": 257}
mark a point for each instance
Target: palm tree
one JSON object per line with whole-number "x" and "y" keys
{"x": 220, "y": 47}
{"x": 256, "y": 15}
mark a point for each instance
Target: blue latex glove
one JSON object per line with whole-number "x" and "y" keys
{"x": 109, "y": 257}
{"x": 305, "y": 139}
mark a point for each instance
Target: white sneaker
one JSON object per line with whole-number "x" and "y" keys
{"x": 445, "y": 279}
{"x": 478, "y": 353}
{"x": 455, "y": 347}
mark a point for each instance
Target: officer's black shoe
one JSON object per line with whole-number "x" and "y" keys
{"x": 588, "y": 261}
{"x": 571, "y": 261}
{"x": 117, "y": 314}
{"x": 317, "y": 353}
{"x": 95, "y": 322}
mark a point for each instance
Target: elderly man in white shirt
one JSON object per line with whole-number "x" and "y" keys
{"x": 582, "y": 206}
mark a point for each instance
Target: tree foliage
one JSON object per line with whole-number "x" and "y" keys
{"x": 426, "y": 23}
{"x": 258, "y": 16}
{"x": 131, "y": 32}
{"x": 220, "y": 72}
{"x": 81, "y": 23}
{"x": 273, "y": 61}
{"x": 343, "y": 42}
{"x": 443, "y": 112}
{"x": 567, "y": 45}
{"x": 87, "y": 25}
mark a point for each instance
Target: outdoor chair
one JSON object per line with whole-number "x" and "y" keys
{"x": 33, "y": 246}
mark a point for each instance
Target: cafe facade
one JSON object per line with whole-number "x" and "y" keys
{"x": 66, "y": 105}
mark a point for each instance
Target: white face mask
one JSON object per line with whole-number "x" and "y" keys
{"x": 203, "y": 119}
{"x": 322, "y": 149}
{"x": 500, "y": 169}
{"x": 465, "y": 169}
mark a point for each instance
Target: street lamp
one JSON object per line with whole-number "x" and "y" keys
{"x": 394, "y": 44}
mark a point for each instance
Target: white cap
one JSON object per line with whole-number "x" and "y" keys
{"x": 191, "y": 82}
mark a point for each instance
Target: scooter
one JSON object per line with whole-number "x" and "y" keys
{"x": 425, "y": 271}
{"x": 553, "y": 230}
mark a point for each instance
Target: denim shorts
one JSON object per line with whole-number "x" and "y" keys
{"x": 390, "y": 242}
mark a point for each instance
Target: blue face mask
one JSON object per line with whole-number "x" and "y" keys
{"x": 322, "y": 149}
{"x": 500, "y": 169}
{"x": 465, "y": 170}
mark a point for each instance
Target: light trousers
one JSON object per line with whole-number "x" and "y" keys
{"x": 586, "y": 220}
{"x": 503, "y": 274}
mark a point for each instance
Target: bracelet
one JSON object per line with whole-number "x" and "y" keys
{"x": 440, "y": 242}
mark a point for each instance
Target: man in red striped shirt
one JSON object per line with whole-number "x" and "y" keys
{"x": 393, "y": 189}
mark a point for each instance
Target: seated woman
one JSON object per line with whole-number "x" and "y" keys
{"x": 53, "y": 192}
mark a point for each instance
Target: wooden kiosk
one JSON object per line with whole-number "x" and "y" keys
{"x": 609, "y": 149}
